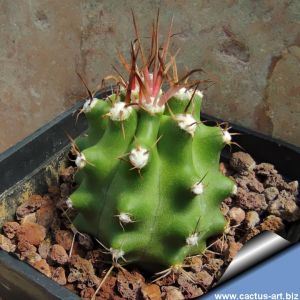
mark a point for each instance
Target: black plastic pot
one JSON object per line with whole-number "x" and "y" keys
{"x": 29, "y": 167}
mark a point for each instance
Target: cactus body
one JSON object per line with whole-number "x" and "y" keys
{"x": 150, "y": 185}
{"x": 163, "y": 212}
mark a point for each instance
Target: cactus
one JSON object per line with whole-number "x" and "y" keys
{"x": 150, "y": 185}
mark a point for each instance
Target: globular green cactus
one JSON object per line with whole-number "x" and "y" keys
{"x": 150, "y": 185}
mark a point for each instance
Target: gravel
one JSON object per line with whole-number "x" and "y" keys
{"x": 41, "y": 235}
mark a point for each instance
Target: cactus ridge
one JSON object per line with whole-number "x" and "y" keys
{"x": 150, "y": 185}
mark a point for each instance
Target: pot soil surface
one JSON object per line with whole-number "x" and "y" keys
{"x": 43, "y": 236}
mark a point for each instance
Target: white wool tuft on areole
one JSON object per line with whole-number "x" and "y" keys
{"x": 192, "y": 240}
{"x": 116, "y": 253}
{"x": 198, "y": 188}
{"x": 184, "y": 94}
{"x": 120, "y": 112}
{"x": 88, "y": 105}
{"x": 125, "y": 218}
{"x": 187, "y": 123}
{"x": 226, "y": 136}
{"x": 80, "y": 161}
{"x": 153, "y": 108}
{"x": 139, "y": 157}
{"x": 234, "y": 189}
{"x": 69, "y": 203}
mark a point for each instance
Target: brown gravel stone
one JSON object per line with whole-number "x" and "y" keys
{"x": 64, "y": 238}
{"x": 265, "y": 169}
{"x": 233, "y": 248}
{"x": 284, "y": 208}
{"x": 56, "y": 223}
{"x": 219, "y": 245}
{"x": 67, "y": 174}
{"x": 59, "y": 276}
{"x": 204, "y": 279}
{"x": 189, "y": 289}
{"x": 54, "y": 191}
{"x": 30, "y": 218}
{"x": 271, "y": 193}
{"x": 32, "y": 233}
{"x": 228, "y": 201}
{"x": 58, "y": 254}
{"x": 252, "y": 219}
{"x": 254, "y": 185}
{"x": 249, "y": 183}
{"x": 237, "y": 215}
{"x": 65, "y": 190}
{"x": 171, "y": 293}
{"x": 195, "y": 263}
{"x": 251, "y": 234}
{"x": 151, "y": 292}
{"x": 129, "y": 284}
{"x": 10, "y": 229}
{"x": 213, "y": 265}
{"x": 45, "y": 214}
{"x": 43, "y": 267}
{"x": 107, "y": 290}
{"x": 276, "y": 181}
{"x": 251, "y": 200}
{"x": 31, "y": 205}
{"x": 85, "y": 241}
{"x": 87, "y": 293}
{"x": 287, "y": 195}
{"x": 44, "y": 248}
{"x": 224, "y": 208}
{"x": 242, "y": 162}
{"x": 293, "y": 187}
{"x": 272, "y": 223}
{"x": 97, "y": 257}
{"x": 27, "y": 250}
{"x": 82, "y": 270}
{"x": 6, "y": 244}
{"x": 241, "y": 182}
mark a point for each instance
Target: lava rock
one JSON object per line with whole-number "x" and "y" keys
{"x": 10, "y": 229}
{"x": 250, "y": 234}
{"x": 195, "y": 263}
{"x": 82, "y": 270}
{"x": 85, "y": 241}
{"x": 27, "y": 250}
{"x": 242, "y": 162}
{"x": 252, "y": 219}
{"x": 59, "y": 275}
{"x": 204, "y": 279}
{"x": 64, "y": 238}
{"x": 271, "y": 193}
{"x": 233, "y": 249}
{"x": 129, "y": 284}
{"x": 29, "y": 206}
{"x": 58, "y": 254}
{"x": 171, "y": 293}
{"x": 272, "y": 223}
{"x": 44, "y": 248}
{"x": 43, "y": 267}
{"x": 237, "y": 215}
{"x": 151, "y": 292}
{"x": 32, "y": 233}
{"x": 251, "y": 200}
{"x": 265, "y": 169}
{"x": 6, "y": 244}
{"x": 284, "y": 208}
